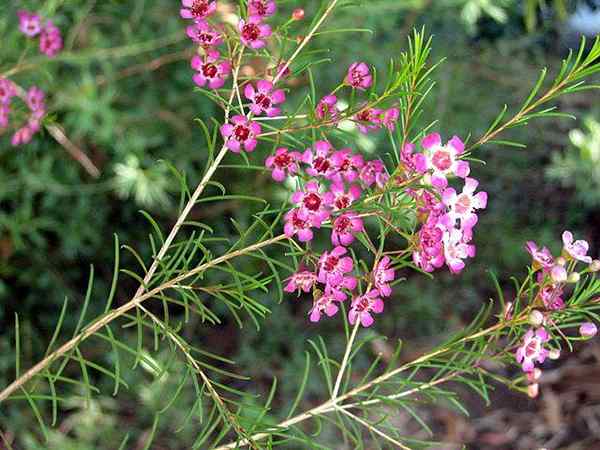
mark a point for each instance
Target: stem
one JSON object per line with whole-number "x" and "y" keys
{"x": 338, "y": 380}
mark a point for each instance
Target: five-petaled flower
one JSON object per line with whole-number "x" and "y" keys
{"x": 197, "y": 9}
{"x": 359, "y": 76}
{"x": 283, "y": 163}
{"x": 264, "y": 98}
{"x": 253, "y": 32}
{"x": 575, "y": 249}
{"x": 240, "y": 133}
{"x": 532, "y": 349}
{"x": 211, "y": 71}
{"x": 362, "y": 307}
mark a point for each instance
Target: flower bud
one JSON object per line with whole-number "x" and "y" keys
{"x": 533, "y": 390}
{"x": 574, "y": 277}
{"x": 595, "y": 265}
{"x": 588, "y": 330}
{"x": 558, "y": 274}
{"x": 554, "y": 353}
{"x": 536, "y": 318}
{"x": 298, "y": 14}
{"x": 561, "y": 261}
{"x": 534, "y": 375}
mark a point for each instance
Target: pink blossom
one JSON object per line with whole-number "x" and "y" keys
{"x": 203, "y": 34}
{"x": 315, "y": 203}
{"x": 253, "y": 32}
{"x": 588, "y": 330}
{"x": 327, "y": 108}
{"x": 558, "y": 274}
{"x": 551, "y": 296}
{"x": 390, "y": 117}
{"x": 319, "y": 160}
{"x": 29, "y": 23}
{"x": 383, "y": 275}
{"x": 541, "y": 257}
{"x": 443, "y": 159}
{"x": 297, "y": 222}
{"x": 50, "y": 40}
{"x": 368, "y": 119}
{"x": 412, "y": 162}
{"x": 241, "y": 132}
{"x": 35, "y": 99}
{"x": 283, "y": 163}
{"x": 456, "y": 249}
{"x": 4, "y": 112}
{"x": 211, "y": 71}
{"x": 345, "y": 227}
{"x": 261, "y": 8}
{"x": 197, "y": 9}
{"x": 333, "y": 266}
{"x": 462, "y": 206}
{"x": 362, "y": 307}
{"x": 575, "y": 249}
{"x": 347, "y": 165}
{"x": 326, "y": 304}
{"x": 303, "y": 280}
{"x": 264, "y": 98}
{"x": 343, "y": 199}
{"x": 359, "y": 76}
{"x": 22, "y": 136}
{"x": 532, "y": 350}
{"x": 374, "y": 172}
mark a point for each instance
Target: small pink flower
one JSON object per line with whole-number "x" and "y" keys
{"x": 297, "y": 222}
{"x": 4, "y": 112}
{"x": 211, "y": 71}
{"x": 551, "y": 296}
{"x": 29, "y": 23}
{"x": 326, "y": 304}
{"x": 575, "y": 249}
{"x": 50, "y": 40}
{"x": 443, "y": 159}
{"x": 462, "y": 206}
{"x": 456, "y": 249}
{"x": 327, "y": 108}
{"x": 347, "y": 165}
{"x": 532, "y": 350}
{"x": 261, "y": 8}
{"x": 343, "y": 199}
{"x": 203, "y": 34}
{"x": 383, "y": 275}
{"x": 253, "y": 32}
{"x": 22, "y": 136}
{"x": 283, "y": 163}
{"x": 333, "y": 266}
{"x": 303, "y": 280}
{"x": 35, "y": 99}
{"x": 359, "y": 76}
{"x": 368, "y": 119}
{"x": 558, "y": 274}
{"x": 541, "y": 257}
{"x": 345, "y": 227}
{"x": 413, "y": 162}
{"x": 588, "y": 330}
{"x": 319, "y": 161}
{"x": 7, "y": 91}
{"x": 390, "y": 117}
{"x": 264, "y": 98}
{"x": 315, "y": 203}
{"x": 363, "y": 306}
{"x": 241, "y": 132}
{"x": 374, "y": 172}
{"x": 197, "y": 9}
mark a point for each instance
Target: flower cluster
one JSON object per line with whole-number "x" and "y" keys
{"x": 447, "y": 216}
{"x": 31, "y": 25}
{"x": 35, "y": 101}
{"x": 553, "y": 274}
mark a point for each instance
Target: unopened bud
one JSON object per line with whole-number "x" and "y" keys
{"x": 554, "y": 353}
{"x": 588, "y": 330}
{"x": 536, "y": 318}
{"x": 574, "y": 277}
{"x": 533, "y": 390}
{"x": 534, "y": 375}
{"x": 298, "y": 14}
{"x": 561, "y": 261}
{"x": 558, "y": 274}
{"x": 595, "y": 265}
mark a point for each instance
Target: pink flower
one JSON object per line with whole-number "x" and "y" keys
{"x": 35, "y": 99}
{"x": 412, "y": 162}
{"x": 197, "y": 9}
{"x": 281, "y": 162}
{"x": 363, "y": 306}
{"x": 319, "y": 160}
{"x": 456, "y": 249}
{"x": 264, "y": 98}
{"x": 4, "y": 112}
{"x": 374, "y": 172}
{"x": 541, "y": 257}
{"x": 261, "y": 8}
{"x": 368, "y": 119}
{"x": 551, "y": 296}
{"x": 462, "y": 206}
{"x": 333, "y": 266}
{"x": 253, "y": 32}
{"x": 575, "y": 249}
{"x": 327, "y": 108}
{"x": 22, "y": 136}
{"x": 303, "y": 280}
{"x": 297, "y": 222}
{"x": 390, "y": 117}
{"x": 347, "y": 165}
{"x": 7, "y": 91}
{"x": 382, "y": 275}
{"x": 29, "y": 23}
{"x": 50, "y": 40}
{"x": 326, "y": 304}
{"x": 341, "y": 199}
{"x": 558, "y": 274}
{"x": 443, "y": 160}
{"x": 532, "y": 350}
{"x": 315, "y": 203}
{"x": 588, "y": 330}
{"x": 344, "y": 227}
{"x": 359, "y": 76}
{"x": 210, "y": 71}
{"x": 203, "y": 34}
{"x": 241, "y": 132}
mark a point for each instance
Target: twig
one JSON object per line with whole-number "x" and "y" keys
{"x": 78, "y": 155}
{"x": 370, "y": 427}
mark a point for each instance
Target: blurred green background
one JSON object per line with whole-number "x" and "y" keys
{"x": 122, "y": 92}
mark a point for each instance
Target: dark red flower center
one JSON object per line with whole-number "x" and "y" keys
{"x": 364, "y": 116}
{"x": 342, "y": 224}
{"x": 321, "y": 164}
{"x": 199, "y": 8}
{"x": 209, "y": 70}
{"x": 241, "y": 132}
{"x": 330, "y": 263}
{"x": 260, "y": 7}
{"x": 357, "y": 78}
{"x": 263, "y": 101}
{"x": 343, "y": 201}
{"x": 250, "y": 32}
{"x": 312, "y": 201}
{"x": 283, "y": 160}
{"x": 298, "y": 222}
{"x": 362, "y": 304}
{"x": 205, "y": 37}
